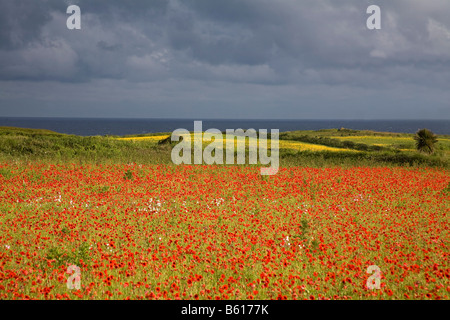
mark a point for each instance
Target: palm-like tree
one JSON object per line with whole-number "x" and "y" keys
{"x": 425, "y": 140}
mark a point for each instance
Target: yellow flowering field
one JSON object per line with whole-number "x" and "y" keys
{"x": 148, "y": 138}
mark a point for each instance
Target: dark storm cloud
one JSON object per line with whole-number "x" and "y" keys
{"x": 21, "y": 22}
{"x": 291, "y": 39}
{"x": 268, "y": 43}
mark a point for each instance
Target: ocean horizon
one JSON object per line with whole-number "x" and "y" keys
{"x": 126, "y": 126}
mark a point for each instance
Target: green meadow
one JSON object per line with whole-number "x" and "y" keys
{"x": 321, "y": 148}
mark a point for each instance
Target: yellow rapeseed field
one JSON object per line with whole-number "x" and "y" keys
{"x": 150, "y": 138}
{"x": 283, "y": 144}
{"x": 371, "y": 137}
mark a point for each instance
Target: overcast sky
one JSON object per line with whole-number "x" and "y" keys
{"x": 311, "y": 59}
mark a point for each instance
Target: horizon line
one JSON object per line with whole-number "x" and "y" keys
{"x": 233, "y": 119}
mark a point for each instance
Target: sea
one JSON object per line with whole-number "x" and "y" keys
{"x": 115, "y": 126}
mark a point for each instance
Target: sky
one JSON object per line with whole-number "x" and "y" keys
{"x": 232, "y": 59}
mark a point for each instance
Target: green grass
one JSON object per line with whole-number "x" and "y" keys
{"x": 18, "y": 144}
{"x": 33, "y": 144}
{"x": 14, "y": 131}
{"x": 370, "y": 138}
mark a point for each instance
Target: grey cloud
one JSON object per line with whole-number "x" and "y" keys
{"x": 20, "y": 22}
{"x": 287, "y": 37}
{"x": 320, "y": 43}
{"x": 108, "y": 47}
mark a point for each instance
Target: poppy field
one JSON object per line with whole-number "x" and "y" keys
{"x": 222, "y": 232}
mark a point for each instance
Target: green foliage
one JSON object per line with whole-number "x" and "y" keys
{"x": 81, "y": 253}
{"x": 349, "y": 159}
{"x": 340, "y": 133}
{"x": 315, "y": 244}
{"x": 303, "y": 230}
{"x": 4, "y": 131}
{"x": 5, "y": 173}
{"x": 447, "y": 189}
{"x": 59, "y": 257}
{"x": 18, "y": 144}
{"x": 304, "y": 227}
{"x": 425, "y": 140}
{"x": 103, "y": 189}
{"x": 63, "y": 258}
{"x": 335, "y": 143}
{"x": 31, "y": 145}
{"x": 128, "y": 175}
{"x": 168, "y": 141}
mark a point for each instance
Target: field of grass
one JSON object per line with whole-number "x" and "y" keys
{"x": 296, "y": 148}
{"x": 137, "y": 226}
{"x": 155, "y": 139}
{"x": 402, "y": 143}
